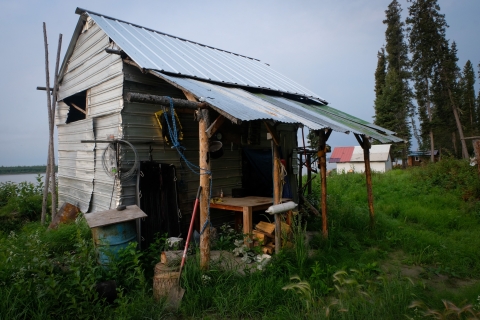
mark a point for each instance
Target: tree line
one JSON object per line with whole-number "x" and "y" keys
{"x": 24, "y": 169}
{"x": 418, "y": 63}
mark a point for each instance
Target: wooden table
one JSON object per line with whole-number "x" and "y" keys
{"x": 246, "y": 205}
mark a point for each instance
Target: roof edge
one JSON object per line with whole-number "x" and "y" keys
{"x": 81, "y": 11}
{"x": 236, "y": 85}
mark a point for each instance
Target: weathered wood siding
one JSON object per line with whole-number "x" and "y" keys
{"x": 89, "y": 64}
{"x": 141, "y": 128}
{"x": 82, "y": 178}
{"x": 75, "y": 163}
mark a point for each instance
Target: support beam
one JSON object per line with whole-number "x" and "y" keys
{"x": 78, "y": 108}
{"x": 309, "y": 205}
{"x": 300, "y": 173}
{"x": 153, "y": 99}
{"x": 215, "y": 126}
{"x": 365, "y": 144}
{"x": 323, "y": 136}
{"x": 271, "y": 130}
{"x": 309, "y": 174}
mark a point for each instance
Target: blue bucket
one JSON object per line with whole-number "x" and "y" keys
{"x": 110, "y": 239}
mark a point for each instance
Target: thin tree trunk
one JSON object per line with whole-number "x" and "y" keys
{"x": 45, "y": 190}
{"x": 49, "y": 103}
{"x": 52, "y": 129}
{"x": 205, "y": 183}
{"x": 429, "y": 111}
{"x": 404, "y": 156}
{"x": 459, "y": 126}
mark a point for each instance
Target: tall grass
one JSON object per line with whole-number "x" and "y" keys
{"x": 427, "y": 214}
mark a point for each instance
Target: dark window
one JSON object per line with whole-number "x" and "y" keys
{"x": 78, "y": 106}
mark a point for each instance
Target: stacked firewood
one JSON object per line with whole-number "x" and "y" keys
{"x": 264, "y": 235}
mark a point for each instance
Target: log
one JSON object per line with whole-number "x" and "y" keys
{"x": 365, "y": 144}
{"x": 171, "y": 258}
{"x": 268, "y": 228}
{"x": 165, "y": 101}
{"x": 277, "y": 195}
{"x": 270, "y": 236}
{"x": 164, "y": 280}
{"x": 205, "y": 177}
{"x": 66, "y": 214}
{"x": 52, "y": 128}
{"x": 50, "y": 140}
{"x": 215, "y": 125}
{"x": 286, "y": 229}
{"x": 267, "y": 250}
{"x": 322, "y": 161}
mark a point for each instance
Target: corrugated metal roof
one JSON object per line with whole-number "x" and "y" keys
{"x": 422, "y": 153}
{"x": 247, "y": 106}
{"x": 378, "y": 152}
{"x": 341, "y": 154}
{"x": 336, "y": 117}
{"x": 154, "y": 50}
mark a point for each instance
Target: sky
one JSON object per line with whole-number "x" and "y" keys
{"x": 328, "y": 46}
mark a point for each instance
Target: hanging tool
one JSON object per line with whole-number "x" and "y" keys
{"x": 176, "y": 293}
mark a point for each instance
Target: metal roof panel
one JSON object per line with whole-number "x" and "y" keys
{"x": 341, "y": 154}
{"x": 154, "y": 50}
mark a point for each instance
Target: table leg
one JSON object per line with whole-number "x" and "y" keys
{"x": 247, "y": 224}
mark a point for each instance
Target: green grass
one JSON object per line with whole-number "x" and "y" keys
{"x": 425, "y": 217}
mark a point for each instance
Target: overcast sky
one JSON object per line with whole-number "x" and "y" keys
{"x": 330, "y": 47}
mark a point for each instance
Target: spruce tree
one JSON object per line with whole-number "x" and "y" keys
{"x": 449, "y": 73}
{"x": 380, "y": 73}
{"x": 392, "y": 111}
{"x": 426, "y": 27}
{"x": 467, "y": 100}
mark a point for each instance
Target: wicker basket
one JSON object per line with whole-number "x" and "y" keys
{"x": 163, "y": 280}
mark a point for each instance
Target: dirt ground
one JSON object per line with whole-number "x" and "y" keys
{"x": 420, "y": 275}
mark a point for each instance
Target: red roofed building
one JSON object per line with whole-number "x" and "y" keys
{"x": 350, "y": 159}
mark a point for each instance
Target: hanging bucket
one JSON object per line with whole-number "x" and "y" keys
{"x": 215, "y": 148}
{"x": 110, "y": 239}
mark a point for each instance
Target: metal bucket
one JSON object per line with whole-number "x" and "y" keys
{"x": 110, "y": 239}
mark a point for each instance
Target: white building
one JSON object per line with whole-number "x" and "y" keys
{"x": 350, "y": 159}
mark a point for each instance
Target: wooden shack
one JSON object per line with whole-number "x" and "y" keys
{"x": 418, "y": 158}
{"x": 251, "y": 107}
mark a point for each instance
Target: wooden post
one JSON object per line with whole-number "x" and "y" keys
{"x": 300, "y": 169}
{"x": 205, "y": 184}
{"x": 309, "y": 173}
{"x": 52, "y": 130}
{"x": 322, "y": 162}
{"x": 365, "y": 144}
{"x": 277, "y": 194}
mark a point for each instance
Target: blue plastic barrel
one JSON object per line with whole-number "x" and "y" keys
{"x": 110, "y": 239}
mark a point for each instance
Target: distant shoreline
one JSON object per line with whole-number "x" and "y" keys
{"x": 24, "y": 170}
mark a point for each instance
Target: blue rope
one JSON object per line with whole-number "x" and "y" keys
{"x": 173, "y": 132}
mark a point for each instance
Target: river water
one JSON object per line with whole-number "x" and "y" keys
{"x": 16, "y": 178}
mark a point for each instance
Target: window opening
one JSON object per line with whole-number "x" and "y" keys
{"x": 78, "y": 106}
